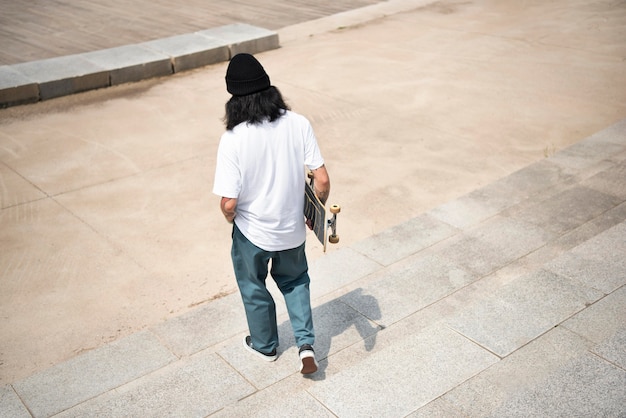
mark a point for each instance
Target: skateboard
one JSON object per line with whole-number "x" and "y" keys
{"x": 315, "y": 211}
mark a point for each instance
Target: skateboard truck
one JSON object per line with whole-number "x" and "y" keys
{"x": 333, "y": 238}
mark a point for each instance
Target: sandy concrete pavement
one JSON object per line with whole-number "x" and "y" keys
{"x": 108, "y": 224}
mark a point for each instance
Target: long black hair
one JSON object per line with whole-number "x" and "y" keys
{"x": 255, "y": 108}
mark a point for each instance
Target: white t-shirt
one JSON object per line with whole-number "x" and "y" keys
{"x": 263, "y": 167}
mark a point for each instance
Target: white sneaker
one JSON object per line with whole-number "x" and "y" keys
{"x": 247, "y": 343}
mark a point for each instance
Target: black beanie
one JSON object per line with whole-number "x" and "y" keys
{"x": 245, "y": 75}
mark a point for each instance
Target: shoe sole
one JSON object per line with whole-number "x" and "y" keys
{"x": 309, "y": 365}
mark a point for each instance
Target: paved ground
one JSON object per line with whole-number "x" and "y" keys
{"x": 499, "y": 293}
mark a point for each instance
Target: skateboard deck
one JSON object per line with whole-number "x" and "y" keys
{"x": 315, "y": 211}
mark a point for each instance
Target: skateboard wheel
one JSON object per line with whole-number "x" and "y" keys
{"x": 335, "y": 209}
{"x": 333, "y": 239}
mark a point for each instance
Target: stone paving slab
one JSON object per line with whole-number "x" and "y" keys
{"x": 438, "y": 408}
{"x": 404, "y": 239}
{"x": 244, "y": 38}
{"x": 612, "y": 349}
{"x": 192, "y": 387}
{"x": 62, "y": 76}
{"x": 407, "y": 287}
{"x": 130, "y": 63}
{"x": 285, "y": 399}
{"x": 610, "y": 181}
{"x": 588, "y": 386}
{"x": 522, "y": 310}
{"x": 598, "y": 263}
{"x": 95, "y": 372}
{"x": 554, "y": 373}
{"x": 567, "y": 210}
{"x": 596, "y": 148}
{"x": 408, "y": 373}
{"x": 481, "y": 204}
{"x": 191, "y": 50}
{"x": 494, "y": 244}
{"x": 16, "y": 88}
{"x": 602, "y": 320}
{"x": 346, "y": 324}
{"x": 603, "y": 324}
{"x": 338, "y": 269}
{"x": 204, "y": 327}
{"x": 11, "y": 405}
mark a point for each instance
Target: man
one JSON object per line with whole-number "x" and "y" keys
{"x": 260, "y": 175}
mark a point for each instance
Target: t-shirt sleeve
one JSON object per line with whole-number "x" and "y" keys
{"x": 227, "y": 182}
{"x": 312, "y": 155}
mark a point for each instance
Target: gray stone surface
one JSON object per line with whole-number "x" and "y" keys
{"x": 586, "y": 387}
{"x": 524, "y": 369}
{"x": 131, "y": 63}
{"x": 190, "y": 50}
{"x": 344, "y": 325}
{"x": 11, "y": 405}
{"x": 500, "y": 195}
{"x": 568, "y": 210}
{"x": 612, "y": 134}
{"x": 597, "y": 148}
{"x": 241, "y": 37}
{"x": 587, "y": 231}
{"x": 405, "y": 375}
{"x": 602, "y": 320}
{"x": 16, "y": 88}
{"x": 203, "y": 327}
{"x": 613, "y": 350}
{"x": 554, "y": 375}
{"x": 436, "y": 409}
{"x": 64, "y": 75}
{"x": 472, "y": 208}
{"x": 522, "y": 310}
{"x": 599, "y": 263}
{"x": 610, "y": 181}
{"x": 338, "y": 269}
{"x": 494, "y": 244}
{"x": 57, "y": 69}
{"x": 286, "y": 398}
{"x": 404, "y": 239}
{"x": 192, "y": 387}
{"x": 86, "y": 376}
{"x": 406, "y": 287}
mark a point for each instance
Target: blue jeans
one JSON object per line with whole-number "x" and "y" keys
{"x": 290, "y": 272}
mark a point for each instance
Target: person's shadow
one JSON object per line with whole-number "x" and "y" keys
{"x": 335, "y": 322}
